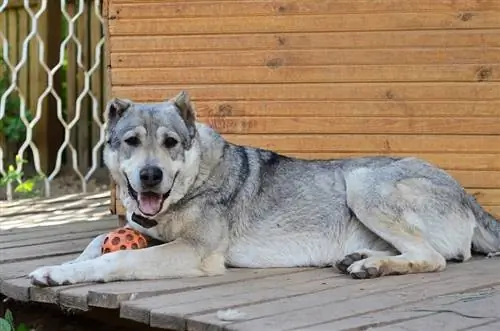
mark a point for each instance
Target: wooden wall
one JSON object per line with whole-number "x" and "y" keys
{"x": 321, "y": 79}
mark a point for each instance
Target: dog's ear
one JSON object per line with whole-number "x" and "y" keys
{"x": 183, "y": 104}
{"x": 115, "y": 109}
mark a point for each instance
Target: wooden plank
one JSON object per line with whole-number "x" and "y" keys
{"x": 464, "y": 312}
{"x": 355, "y": 125}
{"x": 370, "y": 143}
{"x": 66, "y": 237}
{"x": 56, "y": 218}
{"x": 62, "y": 206}
{"x": 347, "y": 47}
{"x": 493, "y": 210}
{"x": 343, "y": 302}
{"x": 111, "y": 295}
{"x": 138, "y": 310}
{"x": 469, "y": 309}
{"x": 52, "y": 294}
{"x": 44, "y": 250}
{"x": 275, "y": 73}
{"x": 15, "y": 289}
{"x": 20, "y": 269}
{"x": 478, "y": 179}
{"x": 318, "y": 92}
{"x": 273, "y": 59}
{"x": 28, "y": 203}
{"x": 486, "y": 197}
{"x": 359, "y": 108}
{"x": 42, "y": 231}
{"x": 290, "y": 7}
{"x": 306, "y": 23}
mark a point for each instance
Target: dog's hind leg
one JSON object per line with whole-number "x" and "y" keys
{"x": 383, "y": 209}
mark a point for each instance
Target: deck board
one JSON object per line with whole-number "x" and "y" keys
{"x": 359, "y": 297}
{"x": 464, "y": 297}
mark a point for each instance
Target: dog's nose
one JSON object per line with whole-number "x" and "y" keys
{"x": 150, "y": 176}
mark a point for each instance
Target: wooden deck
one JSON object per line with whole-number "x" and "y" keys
{"x": 43, "y": 232}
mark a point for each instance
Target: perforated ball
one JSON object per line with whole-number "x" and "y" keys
{"x": 123, "y": 239}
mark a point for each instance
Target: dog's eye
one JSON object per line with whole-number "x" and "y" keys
{"x": 133, "y": 141}
{"x": 170, "y": 142}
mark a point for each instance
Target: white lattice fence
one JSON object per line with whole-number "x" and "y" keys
{"x": 53, "y": 88}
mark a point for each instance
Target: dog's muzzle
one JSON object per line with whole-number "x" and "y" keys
{"x": 149, "y": 203}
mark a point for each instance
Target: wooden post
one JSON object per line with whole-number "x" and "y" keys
{"x": 48, "y": 132}
{"x": 116, "y": 207}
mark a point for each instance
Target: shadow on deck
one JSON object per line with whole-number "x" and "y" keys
{"x": 42, "y": 232}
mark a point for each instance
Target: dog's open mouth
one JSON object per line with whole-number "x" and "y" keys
{"x": 150, "y": 203}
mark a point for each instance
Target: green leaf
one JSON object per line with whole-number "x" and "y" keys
{"x": 22, "y": 327}
{"x": 25, "y": 187}
{"x": 4, "y": 325}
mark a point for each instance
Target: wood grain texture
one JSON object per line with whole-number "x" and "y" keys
{"x": 273, "y": 72}
{"x": 318, "y": 91}
{"x": 284, "y": 307}
{"x": 177, "y": 9}
{"x": 215, "y": 61}
{"x": 397, "y": 108}
{"x": 357, "y": 42}
{"x": 353, "y": 125}
{"x": 431, "y": 20}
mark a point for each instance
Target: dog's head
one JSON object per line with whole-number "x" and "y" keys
{"x": 151, "y": 151}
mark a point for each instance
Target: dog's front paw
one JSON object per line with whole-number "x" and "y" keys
{"x": 365, "y": 268}
{"x": 52, "y": 276}
{"x": 348, "y": 260}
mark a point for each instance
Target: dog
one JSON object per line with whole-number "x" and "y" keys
{"x": 214, "y": 204}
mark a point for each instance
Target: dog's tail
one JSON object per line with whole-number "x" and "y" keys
{"x": 486, "y": 238}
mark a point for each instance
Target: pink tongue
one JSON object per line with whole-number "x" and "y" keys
{"x": 150, "y": 203}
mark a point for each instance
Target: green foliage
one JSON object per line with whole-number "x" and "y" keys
{"x": 7, "y": 323}
{"x": 11, "y": 124}
{"x": 13, "y": 176}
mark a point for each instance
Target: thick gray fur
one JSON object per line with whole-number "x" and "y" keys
{"x": 239, "y": 206}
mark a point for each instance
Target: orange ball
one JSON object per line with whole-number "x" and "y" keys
{"x": 123, "y": 239}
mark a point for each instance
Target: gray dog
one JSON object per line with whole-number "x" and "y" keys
{"x": 215, "y": 204}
